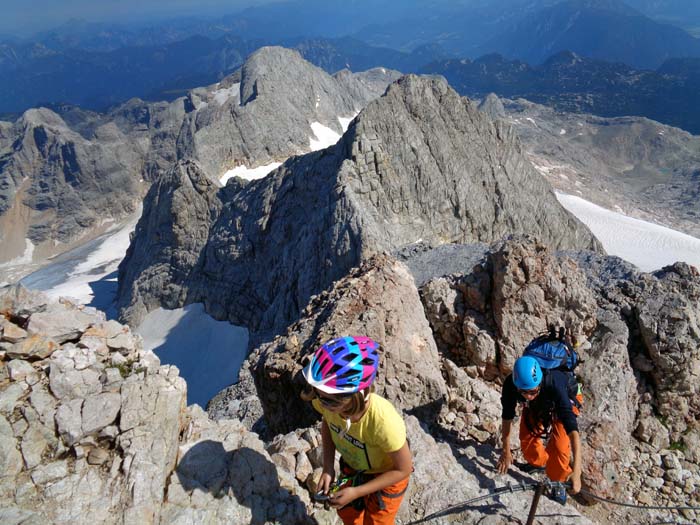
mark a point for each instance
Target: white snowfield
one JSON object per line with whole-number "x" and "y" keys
{"x": 209, "y": 353}
{"x": 99, "y": 264}
{"x": 323, "y": 137}
{"x": 249, "y": 173}
{"x": 646, "y": 245}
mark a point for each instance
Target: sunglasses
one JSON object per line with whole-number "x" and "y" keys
{"x": 531, "y": 392}
{"x": 331, "y": 402}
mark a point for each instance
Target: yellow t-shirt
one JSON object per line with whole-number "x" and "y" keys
{"x": 368, "y": 442}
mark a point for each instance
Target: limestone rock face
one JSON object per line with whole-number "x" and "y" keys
{"x": 264, "y": 112}
{"x": 669, "y": 316}
{"x": 62, "y": 179}
{"x": 611, "y": 405}
{"x": 179, "y": 206}
{"x": 418, "y": 163}
{"x": 83, "y": 440}
{"x": 56, "y": 184}
{"x": 486, "y": 317}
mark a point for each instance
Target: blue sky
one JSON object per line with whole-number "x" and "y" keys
{"x": 24, "y": 17}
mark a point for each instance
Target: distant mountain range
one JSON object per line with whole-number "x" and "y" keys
{"x": 601, "y": 29}
{"x": 34, "y": 74}
{"x": 571, "y": 83}
{"x": 98, "y": 65}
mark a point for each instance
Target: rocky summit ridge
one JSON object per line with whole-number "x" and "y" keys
{"x": 65, "y": 173}
{"x": 419, "y": 163}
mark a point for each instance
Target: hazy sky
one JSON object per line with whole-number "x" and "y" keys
{"x": 24, "y": 17}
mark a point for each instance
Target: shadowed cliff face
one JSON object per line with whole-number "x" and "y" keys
{"x": 418, "y": 163}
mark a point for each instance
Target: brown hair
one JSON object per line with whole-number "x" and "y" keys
{"x": 357, "y": 405}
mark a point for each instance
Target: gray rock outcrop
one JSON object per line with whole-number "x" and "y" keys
{"x": 379, "y": 298}
{"x": 62, "y": 180}
{"x": 94, "y": 430}
{"x": 493, "y": 107}
{"x": 484, "y": 317}
{"x": 418, "y": 163}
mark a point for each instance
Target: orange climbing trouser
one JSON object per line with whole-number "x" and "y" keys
{"x": 556, "y": 456}
{"x": 378, "y": 508}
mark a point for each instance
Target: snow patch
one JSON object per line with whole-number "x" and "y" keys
{"x": 648, "y": 246}
{"x": 562, "y": 132}
{"x": 531, "y": 120}
{"x": 25, "y": 258}
{"x": 208, "y": 353}
{"x": 323, "y": 137}
{"x": 345, "y": 121}
{"x": 222, "y": 95}
{"x": 249, "y": 173}
{"x": 99, "y": 264}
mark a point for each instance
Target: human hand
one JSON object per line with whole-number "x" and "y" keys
{"x": 343, "y": 497}
{"x": 504, "y": 461}
{"x": 576, "y": 482}
{"x": 325, "y": 482}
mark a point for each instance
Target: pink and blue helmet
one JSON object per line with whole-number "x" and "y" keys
{"x": 344, "y": 365}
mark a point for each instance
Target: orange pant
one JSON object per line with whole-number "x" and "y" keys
{"x": 372, "y": 514}
{"x": 556, "y": 456}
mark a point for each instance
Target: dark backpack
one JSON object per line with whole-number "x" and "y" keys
{"x": 553, "y": 352}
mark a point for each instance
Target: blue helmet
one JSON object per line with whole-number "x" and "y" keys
{"x": 527, "y": 373}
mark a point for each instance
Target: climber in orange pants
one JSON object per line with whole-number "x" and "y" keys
{"x": 365, "y": 428}
{"x": 556, "y": 455}
{"x": 548, "y": 411}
